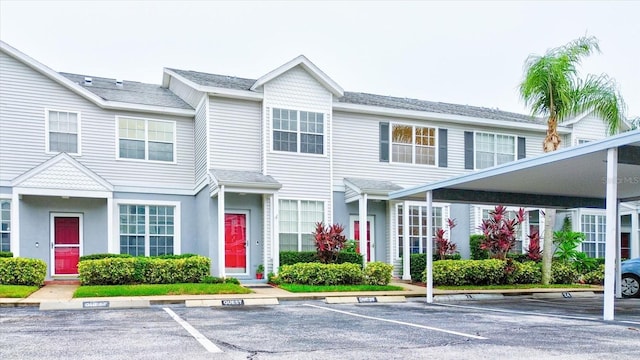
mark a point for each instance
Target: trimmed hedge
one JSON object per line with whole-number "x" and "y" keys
{"x": 22, "y": 271}
{"x": 378, "y": 273}
{"x": 321, "y": 274}
{"x": 595, "y": 277}
{"x": 418, "y": 263}
{"x": 6, "y": 254}
{"x": 295, "y": 257}
{"x": 143, "y": 270}
{"x": 562, "y": 273}
{"x": 103, "y": 256}
{"x": 476, "y": 252}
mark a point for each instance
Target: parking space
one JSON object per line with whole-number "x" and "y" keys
{"x": 507, "y": 329}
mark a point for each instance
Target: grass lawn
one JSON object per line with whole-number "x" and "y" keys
{"x": 296, "y": 288}
{"x": 158, "y": 289}
{"x": 513, "y": 286}
{"x": 16, "y": 291}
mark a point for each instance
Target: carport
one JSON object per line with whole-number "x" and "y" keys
{"x": 600, "y": 174}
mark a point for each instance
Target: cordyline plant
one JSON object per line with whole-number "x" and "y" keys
{"x": 329, "y": 241}
{"x": 500, "y": 232}
{"x": 444, "y": 246}
{"x": 534, "y": 252}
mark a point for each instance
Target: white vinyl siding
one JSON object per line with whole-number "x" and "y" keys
{"x": 594, "y": 229}
{"x": 200, "y": 140}
{"x": 297, "y": 221}
{"x": 494, "y": 149}
{"x": 63, "y": 132}
{"x": 147, "y": 230}
{"x": 146, "y": 139}
{"x": 5, "y": 225}
{"x": 413, "y": 144}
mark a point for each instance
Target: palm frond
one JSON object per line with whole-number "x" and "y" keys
{"x": 600, "y": 94}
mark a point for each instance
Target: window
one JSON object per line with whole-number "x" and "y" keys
{"x": 5, "y": 225}
{"x": 413, "y": 144}
{"x": 63, "y": 130}
{"x": 494, "y": 149}
{"x": 291, "y": 125}
{"x": 147, "y": 230}
{"x": 145, "y": 139}
{"x": 593, "y": 227}
{"x": 417, "y": 227}
{"x": 297, "y": 221}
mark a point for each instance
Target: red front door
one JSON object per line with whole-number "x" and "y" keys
{"x": 66, "y": 245}
{"x": 356, "y": 234}
{"x": 235, "y": 243}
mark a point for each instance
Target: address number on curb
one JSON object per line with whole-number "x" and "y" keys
{"x": 95, "y": 304}
{"x": 233, "y": 302}
{"x": 566, "y": 295}
{"x": 369, "y": 299}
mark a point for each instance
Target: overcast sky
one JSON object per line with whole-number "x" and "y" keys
{"x": 458, "y": 52}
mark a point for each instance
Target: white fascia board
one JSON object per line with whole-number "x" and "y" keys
{"x": 309, "y": 67}
{"x": 5, "y": 183}
{"x": 79, "y": 90}
{"x": 213, "y": 90}
{"x": 150, "y": 190}
{"x": 424, "y": 115}
{"x": 62, "y": 192}
{"x": 248, "y": 190}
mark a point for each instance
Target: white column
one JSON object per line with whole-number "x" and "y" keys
{"x": 611, "y": 233}
{"x": 14, "y": 242}
{"x": 221, "y": 264}
{"x": 362, "y": 218}
{"x": 112, "y": 243}
{"x": 634, "y": 240}
{"x": 429, "y": 247}
{"x": 275, "y": 240}
{"x": 406, "y": 252}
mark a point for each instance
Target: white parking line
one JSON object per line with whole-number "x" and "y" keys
{"x": 399, "y": 322}
{"x": 520, "y": 312}
{"x": 211, "y": 347}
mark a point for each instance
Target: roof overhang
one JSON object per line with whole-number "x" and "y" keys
{"x": 211, "y": 90}
{"x": 374, "y": 189}
{"x": 569, "y": 178}
{"x": 252, "y": 182}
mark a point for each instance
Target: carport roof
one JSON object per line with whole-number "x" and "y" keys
{"x": 569, "y": 178}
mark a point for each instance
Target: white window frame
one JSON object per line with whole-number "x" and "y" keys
{"x": 299, "y": 225}
{"x": 47, "y": 132}
{"x": 581, "y": 140}
{"x": 299, "y": 132}
{"x": 495, "y": 152}
{"x": 177, "y": 221}
{"x": 7, "y": 199}
{"x": 413, "y": 144}
{"x": 446, "y": 213}
{"x": 146, "y": 139}
{"x": 600, "y": 237}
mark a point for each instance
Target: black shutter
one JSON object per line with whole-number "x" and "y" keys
{"x": 522, "y": 148}
{"x": 468, "y": 150}
{"x": 442, "y": 147}
{"x": 384, "y": 142}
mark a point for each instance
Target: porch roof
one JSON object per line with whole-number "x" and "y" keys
{"x": 376, "y": 189}
{"x": 244, "y": 181}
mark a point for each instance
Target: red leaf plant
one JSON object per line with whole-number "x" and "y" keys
{"x": 329, "y": 241}
{"x": 444, "y": 246}
{"x": 500, "y": 231}
{"x": 534, "y": 252}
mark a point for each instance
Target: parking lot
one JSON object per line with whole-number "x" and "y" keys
{"x": 511, "y": 328}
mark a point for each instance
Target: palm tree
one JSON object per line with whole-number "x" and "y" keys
{"x": 552, "y": 88}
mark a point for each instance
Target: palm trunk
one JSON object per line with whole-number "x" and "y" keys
{"x": 551, "y": 143}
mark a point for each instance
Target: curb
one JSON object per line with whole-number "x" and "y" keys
{"x": 565, "y": 295}
{"x": 467, "y": 297}
{"x": 231, "y": 302}
{"x": 364, "y": 299}
{"x": 91, "y": 305}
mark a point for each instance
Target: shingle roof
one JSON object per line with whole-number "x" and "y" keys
{"x": 131, "y": 92}
{"x": 244, "y": 178}
{"x": 236, "y": 83}
{"x": 373, "y": 186}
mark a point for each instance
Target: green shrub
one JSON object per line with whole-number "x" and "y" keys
{"x": 294, "y": 257}
{"x": 103, "y": 256}
{"x": 528, "y": 272}
{"x": 418, "y": 263}
{"x": 345, "y": 257}
{"x": 321, "y": 274}
{"x": 22, "y": 271}
{"x": 6, "y": 254}
{"x": 378, "y": 273}
{"x": 595, "y": 277}
{"x": 485, "y": 272}
{"x": 273, "y": 279}
{"x": 518, "y": 257}
{"x": 563, "y": 273}
{"x": 448, "y": 272}
{"x": 131, "y": 270}
{"x": 211, "y": 280}
{"x": 172, "y": 256}
{"x": 476, "y": 252}
{"x": 231, "y": 280}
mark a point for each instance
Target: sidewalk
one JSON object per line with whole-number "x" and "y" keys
{"x": 64, "y": 294}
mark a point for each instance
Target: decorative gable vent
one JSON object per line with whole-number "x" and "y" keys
{"x": 119, "y": 83}
{"x": 88, "y": 80}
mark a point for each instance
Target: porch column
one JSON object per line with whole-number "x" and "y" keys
{"x": 275, "y": 219}
{"x": 14, "y": 242}
{"x": 611, "y": 237}
{"x": 221, "y": 263}
{"x": 429, "y": 246}
{"x": 362, "y": 218}
{"x": 634, "y": 238}
{"x": 112, "y": 244}
{"x": 406, "y": 252}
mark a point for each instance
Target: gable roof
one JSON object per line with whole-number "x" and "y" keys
{"x": 244, "y": 181}
{"x": 130, "y": 92}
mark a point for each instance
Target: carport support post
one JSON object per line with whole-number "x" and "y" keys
{"x": 429, "y": 247}
{"x": 406, "y": 252}
{"x": 221, "y": 234}
{"x": 611, "y": 238}
{"x": 362, "y": 222}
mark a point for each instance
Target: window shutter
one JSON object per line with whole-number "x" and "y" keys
{"x": 384, "y": 142}
{"x": 468, "y": 150}
{"x": 522, "y": 148}
{"x": 442, "y": 147}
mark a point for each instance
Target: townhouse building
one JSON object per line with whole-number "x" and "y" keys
{"x": 240, "y": 169}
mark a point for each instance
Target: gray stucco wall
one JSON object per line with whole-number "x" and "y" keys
{"x": 460, "y": 234}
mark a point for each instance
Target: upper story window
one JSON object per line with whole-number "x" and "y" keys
{"x": 63, "y": 132}
{"x": 298, "y": 131}
{"x": 494, "y": 149}
{"x": 146, "y": 139}
{"x": 413, "y": 144}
